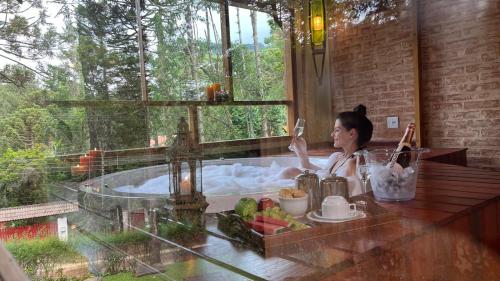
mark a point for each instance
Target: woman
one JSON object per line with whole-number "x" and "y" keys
{"x": 352, "y": 131}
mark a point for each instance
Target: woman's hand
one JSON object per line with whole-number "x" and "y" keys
{"x": 300, "y": 146}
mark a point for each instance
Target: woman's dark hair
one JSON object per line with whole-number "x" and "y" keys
{"x": 357, "y": 119}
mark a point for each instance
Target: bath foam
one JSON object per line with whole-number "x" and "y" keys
{"x": 226, "y": 177}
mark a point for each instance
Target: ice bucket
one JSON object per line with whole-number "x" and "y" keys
{"x": 394, "y": 183}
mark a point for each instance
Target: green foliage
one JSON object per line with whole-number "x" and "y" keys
{"x": 22, "y": 177}
{"x": 114, "y": 263}
{"x": 367, "y": 11}
{"x": 27, "y": 127}
{"x": 97, "y": 59}
{"x": 126, "y": 238}
{"x": 40, "y": 257}
{"x": 179, "y": 231}
{"x": 231, "y": 123}
{"x": 127, "y": 276}
{"x": 24, "y": 34}
{"x": 17, "y": 75}
{"x": 58, "y": 276}
{"x": 121, "y": 239}
{"x": 26, "y": 222}
{"x": 183, "y": 64}
{"x": 108, "y": 54}
{"x": 242, "y": 122}
{"x": 11, "y": 97}
{"x": 26, "y": 121}
{"x": 113, "y": 250}
{"x": 181, "y": 270}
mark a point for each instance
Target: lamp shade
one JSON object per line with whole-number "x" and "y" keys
{"x": 317, "y": 22}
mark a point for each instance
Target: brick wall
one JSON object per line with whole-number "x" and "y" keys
{"x": 461, "y": 77}
{"x": 372, "y": 64}
{"x": 460, "y": 91}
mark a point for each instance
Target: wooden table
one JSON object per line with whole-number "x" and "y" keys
{"x": 450, "y": 231}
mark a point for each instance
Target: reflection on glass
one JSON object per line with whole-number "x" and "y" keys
{"x": 363, "y": 174}
{"x": 258, "y": 43}
{"x": 368, "y": 12}
{"x": 163, "y": 124}
{"x": 183, "y": 47}
{"x": 97, "y": 59}
{"x": 242, "y": 122}
{"x": 298, "y": 130}
{"x": 108, "y": 50}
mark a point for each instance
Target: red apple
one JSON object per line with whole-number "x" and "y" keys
{"x": 265, "y": 203}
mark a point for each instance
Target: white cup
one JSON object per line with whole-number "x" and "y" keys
{"x": 336, "y": 207}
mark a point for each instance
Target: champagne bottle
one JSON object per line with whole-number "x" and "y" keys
{"x": 403, "y": 159}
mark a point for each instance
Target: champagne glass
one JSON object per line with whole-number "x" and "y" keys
{"x": 363, "y": 174}
{"x": 297, "y": 131}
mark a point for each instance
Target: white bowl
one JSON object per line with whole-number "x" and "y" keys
{"x": 297, "y": 207}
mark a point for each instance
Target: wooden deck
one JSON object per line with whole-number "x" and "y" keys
{"x": 450, "y": 231}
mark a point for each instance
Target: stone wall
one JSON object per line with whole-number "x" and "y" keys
{"x": 372, "y": 63}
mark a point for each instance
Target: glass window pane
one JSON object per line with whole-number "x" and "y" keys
{"x": 183, "y": 48}
{"x": 258, "y": 43}
{"x": 221, "y": 123}
{"x": 108, "y": 49}
{"x": 163, "y": 124}
{"x": 117, "y": 127}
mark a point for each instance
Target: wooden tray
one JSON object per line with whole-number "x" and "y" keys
{"x": 234, "y": 227}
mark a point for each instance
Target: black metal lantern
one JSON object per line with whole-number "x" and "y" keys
{"x": 186, "y": 202}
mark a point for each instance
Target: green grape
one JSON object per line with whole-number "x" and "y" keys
{"x": 282, "y": 214}
{"x": 275, "y": 216}
{"x": 267, "y": 212}
{"x": 300, "y": 226}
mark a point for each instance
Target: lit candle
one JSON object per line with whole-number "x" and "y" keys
{"x": 318, "y": 23}
{"x": 86, "y": 160}
{"x": 79, "y": 169}
{"x": 186, "y": 186}
{"x": 96, "y": 153}
{"x": 210, "y": 93}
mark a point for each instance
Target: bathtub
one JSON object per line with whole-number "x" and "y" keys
{"x": 224, "y": 183}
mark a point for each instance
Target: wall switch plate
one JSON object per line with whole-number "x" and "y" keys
{"x": 392, "y": 122}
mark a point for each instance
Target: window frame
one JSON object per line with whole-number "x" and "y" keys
{"x": 194, "y": 106}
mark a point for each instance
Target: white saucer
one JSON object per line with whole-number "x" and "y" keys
{"x": 351, "y": 215}
{"x": 314, "y": 216}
